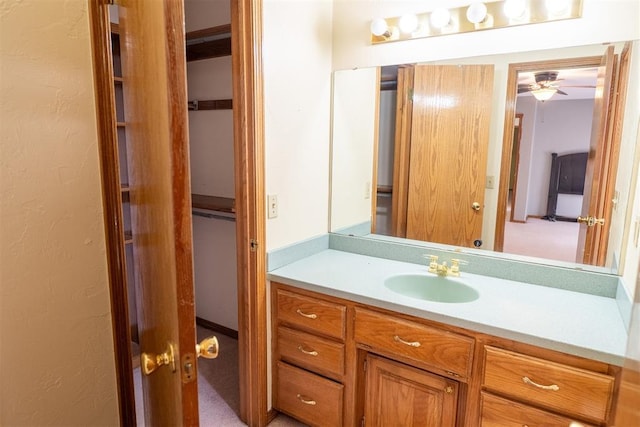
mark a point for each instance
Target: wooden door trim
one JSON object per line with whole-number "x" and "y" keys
{"x": 616, "y": 120}
{"x": 248, "y": 113}
{"x": 373, "y": 191}
{"x": 100, "y": 27}
{"x": 404, "y": 108}
{"x": 520, "y": 118}
{"x": 507, "y": 133}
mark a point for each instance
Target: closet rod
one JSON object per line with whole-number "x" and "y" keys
{"x": 213, "y": 216}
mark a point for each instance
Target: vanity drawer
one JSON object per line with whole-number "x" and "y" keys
{"x": 556, "y": 386}
{"x": 311, "y": 314}
{"x": 308, "y": 397}
{"x": 499, "y": 412}
{"x": 308, "y": 351}
{"x": 450, "y": 352}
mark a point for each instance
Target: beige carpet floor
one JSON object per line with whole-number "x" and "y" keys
{"x": 218, "y": 392}
{"x": 541, "y": 238}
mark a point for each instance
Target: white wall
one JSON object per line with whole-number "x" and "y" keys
{"x": 561, "y": 127}
{"x": 57, "y": 359}
{"x": 212, "y": 173}
{"x": 527, "y": 107}
{"x": 354, "y": 119}
{"x": 297, "y": 89}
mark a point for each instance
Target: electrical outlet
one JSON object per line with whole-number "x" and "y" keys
{"x": 272, "y": 206}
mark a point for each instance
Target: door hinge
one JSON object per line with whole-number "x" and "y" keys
{"x": 410, "y": 95}
{"x": 364, "y": 366}
{"x": 362, "y": 422}
{"x": 253, "y": 245}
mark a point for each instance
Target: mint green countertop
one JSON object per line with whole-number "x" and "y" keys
{"x": 576, "y": 323}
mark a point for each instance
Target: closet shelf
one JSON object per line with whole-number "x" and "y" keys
{"x": 213, "y": 203}
{"x": 208, "y": 43}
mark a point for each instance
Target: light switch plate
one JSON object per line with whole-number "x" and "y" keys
{"x": 272, "y": 206}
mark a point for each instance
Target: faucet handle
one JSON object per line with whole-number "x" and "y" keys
{"x": 455, "y": 266}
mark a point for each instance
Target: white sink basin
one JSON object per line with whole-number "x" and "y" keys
{"x": 431, "y": 288}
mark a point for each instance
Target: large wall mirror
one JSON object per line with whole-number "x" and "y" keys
{"x": 463, "y": 154}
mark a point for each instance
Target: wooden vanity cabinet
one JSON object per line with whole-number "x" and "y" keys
{"x": 400, "y": 395}
{"x": 341, "y": 363}
{"x": 539, "y": 391}
{"x": 309, "y": 357}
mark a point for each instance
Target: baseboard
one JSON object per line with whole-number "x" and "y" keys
{"x": 216, "y": 328}
{"x": 518, "y": 221}
{"x": 271, "y": 415}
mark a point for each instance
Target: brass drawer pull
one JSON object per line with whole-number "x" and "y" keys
{"x": 310, "y": 353}
{"x": 409, "y": 343}
{"x": 553, "y": 387}
{"x": 305, "y": 400}
{"x": 308, "y": 316}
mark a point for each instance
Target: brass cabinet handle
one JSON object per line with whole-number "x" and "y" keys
{"x": 553, "y": 387}
{"x": 310, "y": 353}
{"x": 409, "y": 343}
{"x": 306, "y": 400}
{"x": 308, "y": 316}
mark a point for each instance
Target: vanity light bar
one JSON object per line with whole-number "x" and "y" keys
{"x": 477, "y": 16}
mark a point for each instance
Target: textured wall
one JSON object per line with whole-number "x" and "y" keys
{"x": 57, "y": 363}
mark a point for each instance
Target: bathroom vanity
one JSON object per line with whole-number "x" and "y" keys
{"x": 349, "y": 350}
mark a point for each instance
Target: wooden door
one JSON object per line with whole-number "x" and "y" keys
{"x": 153, "y": 36}
{"x": 593, "y": 202}
{"x": 400, "y": 395}
{"x": 448, "y": 154}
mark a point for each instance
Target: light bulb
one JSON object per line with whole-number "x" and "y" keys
{"x": 408, "y": 23}
{"x": 379, "y": 27}
{"x": 557, "y": 7}
{"x": 440, "y": 17}
{"x": 476, "y": 12}
{"x": 514, "y": 8}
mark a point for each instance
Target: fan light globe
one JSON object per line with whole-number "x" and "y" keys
{"x": 440, "y": 17}
{"x": 408, "y": 23}
{"x": 476, "y": 12}
{"x": 514, "y": 8}
{"x": 379, "y": 27}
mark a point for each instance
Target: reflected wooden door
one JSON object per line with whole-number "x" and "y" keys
{"x": 448, "y": 154}
{"x": 153, "y": 36}
{"x": 593, "y": 202}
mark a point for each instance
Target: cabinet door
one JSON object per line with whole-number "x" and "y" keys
{"x": 399, "y": 395}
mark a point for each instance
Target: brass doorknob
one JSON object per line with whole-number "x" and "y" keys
{"x": 150, "y": 362}
{"x": 208, "y": 348}
{"x": 475, "y": 206}
{"x": 590, "y": 220}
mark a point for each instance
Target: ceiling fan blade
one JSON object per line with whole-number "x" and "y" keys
{"x": 561, "y": 92}
{"x": 583, "y": 86}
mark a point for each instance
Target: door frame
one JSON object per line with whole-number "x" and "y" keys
{"x": 507, "y": 135}
{"x": 516, "y": 148}
{"x": 246, "y": 33}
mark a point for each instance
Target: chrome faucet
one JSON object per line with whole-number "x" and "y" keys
{"x": 443, "y": 269}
